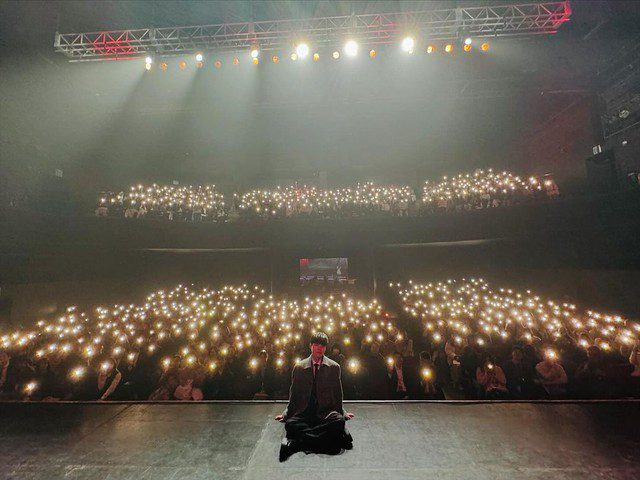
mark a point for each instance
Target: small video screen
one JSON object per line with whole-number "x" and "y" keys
{"x": 321, "y": 270}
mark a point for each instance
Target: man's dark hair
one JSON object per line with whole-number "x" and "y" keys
{"x": 319, "y": 338}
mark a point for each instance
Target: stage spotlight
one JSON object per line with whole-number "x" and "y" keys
{"x": 448, "y": 48}
{"x": 255, "y": 53}
{"x": 275, "y": 59}
{"x": 148, "y": 60}
{"x": 316, "y": 57}
{"x": 336, "y": 55}
{"x": 182, "y": 65}
{"x": 163, "y": 66}
{"x": 294, "y": 56}
{"x": 407, "y": 44}
{"x": 372, "y": 53}
{"x": 351, "y": 48}
{"x": 256, "y": 61}
{"x": 199, "y": 57}
{"x": 467, "y": 47}
{"x": 484, "y": 47}
{"x": 302, "y": 50}
{"x": 199, "y": 64}
{"x": 236, "y": 61}
{"x": 218, "y": 64}
{"x": 147, "y": 66}
{"x": 467, "y": 41}
{"x": 431, "y": 48}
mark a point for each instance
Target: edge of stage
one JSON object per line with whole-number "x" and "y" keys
{"x": 240, "y": 440}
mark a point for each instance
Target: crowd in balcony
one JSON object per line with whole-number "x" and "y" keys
{"x": 366, "y": 199}
{"x": 485, "y": 189}
{"x": 169, "y": 202}
{"x": 477, "y": 190}
{"x": 459, "y": 339}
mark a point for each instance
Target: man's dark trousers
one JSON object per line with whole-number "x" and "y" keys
{"x": 326, "y": 434}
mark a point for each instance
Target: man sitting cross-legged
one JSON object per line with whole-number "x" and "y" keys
{"x": 315, "y": 419}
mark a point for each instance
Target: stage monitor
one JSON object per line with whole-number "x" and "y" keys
{"x": 330, "y": 270}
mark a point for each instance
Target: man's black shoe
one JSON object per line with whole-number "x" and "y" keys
{"x": 287, "y": 448}
{"x": 334, "y": 450}
{"x": 347, "y": 441}
{"x": 284, "y": 453}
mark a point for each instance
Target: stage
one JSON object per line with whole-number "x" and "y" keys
{"x": 391, "y": 440}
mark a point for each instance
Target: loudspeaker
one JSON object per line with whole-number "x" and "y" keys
{"x": 602, "y": 172}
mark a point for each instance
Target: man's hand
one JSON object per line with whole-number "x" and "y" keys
{"x": 349, "y": 416}
{"x": 280, "y": 418}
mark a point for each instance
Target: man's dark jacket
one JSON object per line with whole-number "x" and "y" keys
{"x": 328, "y": 388}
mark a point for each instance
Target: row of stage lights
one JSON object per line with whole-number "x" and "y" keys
{"x": 350, "y": 49}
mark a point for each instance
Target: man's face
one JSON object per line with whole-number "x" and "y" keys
{"x": 317, "y": 350}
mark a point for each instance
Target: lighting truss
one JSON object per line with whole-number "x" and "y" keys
{"x": 368, "y": 29}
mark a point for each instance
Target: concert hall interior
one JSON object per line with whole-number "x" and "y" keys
{"x": 228, "y": 227}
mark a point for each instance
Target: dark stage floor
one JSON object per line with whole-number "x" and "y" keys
{"x": 241, "y": 441}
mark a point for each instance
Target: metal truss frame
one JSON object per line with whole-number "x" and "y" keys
{"x": 368, "y": 29}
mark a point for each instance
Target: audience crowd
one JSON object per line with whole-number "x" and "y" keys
{"x": 485, "y": 189}
{"x": 170, "y": 202}
{"x": 235, "y": 342}
{"x": 487, "y": 343}
{"x": 365, "y": 199}
{"x": 482, "y": 189}
{"x": 455, "y": 340}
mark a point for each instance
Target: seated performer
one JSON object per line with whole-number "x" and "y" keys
{"x": 314, "y": 419}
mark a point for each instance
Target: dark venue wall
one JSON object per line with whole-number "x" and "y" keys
{"x": 561, "y": 143}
